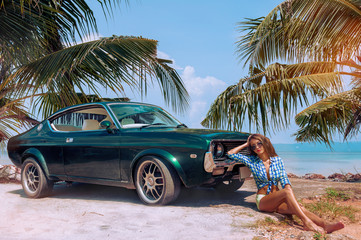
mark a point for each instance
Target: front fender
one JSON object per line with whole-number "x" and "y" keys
{"x": 33, "y": 152}
{"x": 162, "y": 154}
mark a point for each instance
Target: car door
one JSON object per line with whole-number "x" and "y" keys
{"x": 88, "y": 151}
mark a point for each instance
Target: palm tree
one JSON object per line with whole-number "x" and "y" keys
{"x": 38, "y": 56}
{"x": 319, "y": 39}
{"x": 13, "y": 115}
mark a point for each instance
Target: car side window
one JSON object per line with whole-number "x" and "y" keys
{"x": 82, "y": 120}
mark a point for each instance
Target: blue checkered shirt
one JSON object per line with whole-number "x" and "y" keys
{"x": 277, "y": 170}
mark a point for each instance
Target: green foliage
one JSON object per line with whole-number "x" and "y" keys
{"x": 328, "y": 207}
{"x": 334, "y": 194}
{"x": 269, "y": 220}
{"x": 38, "y": 58}
{"x": 332, "y": 210}
{"x": 86, "y": 67}
{"x": 320, "y": 41}
{"x": 319, "y": 236}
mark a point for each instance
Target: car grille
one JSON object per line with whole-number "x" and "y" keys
{"x": 228, "y": 145}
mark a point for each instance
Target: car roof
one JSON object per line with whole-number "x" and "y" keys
{"x": 99, "y": 103}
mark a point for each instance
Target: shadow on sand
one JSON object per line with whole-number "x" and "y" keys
{"x": 193, "y": 197}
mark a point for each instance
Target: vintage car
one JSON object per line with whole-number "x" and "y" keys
{"x": 132, "y": 145}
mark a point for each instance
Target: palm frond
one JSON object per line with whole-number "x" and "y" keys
{"x": 321, "y": 120}
{"x": 218, "y": 115}
{"x": 109, "y": 62}
{"x": 353, "y": 127}
{"x": 300, "y": 30}
{"x": 270, "y": 103}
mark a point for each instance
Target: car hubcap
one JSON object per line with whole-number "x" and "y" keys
{"x": 152, "y": 182}
{"x": 32, "y": 178}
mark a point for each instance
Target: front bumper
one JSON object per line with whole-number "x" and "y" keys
{"x": 221, "y": 167}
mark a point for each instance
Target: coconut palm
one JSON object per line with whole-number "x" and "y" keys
{"x": 319, "y": 39}
{"x": 13, "y": 115}
{"x": 38, "y": 56}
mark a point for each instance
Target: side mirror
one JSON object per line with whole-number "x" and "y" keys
{"x": 106, "y": 125}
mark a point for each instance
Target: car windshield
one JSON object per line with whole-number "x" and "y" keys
{"x": 141, "y": 115}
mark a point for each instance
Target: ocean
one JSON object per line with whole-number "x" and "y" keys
{"x": 302, "y": 158}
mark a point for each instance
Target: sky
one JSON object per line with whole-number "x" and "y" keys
{"x": 199, "y": 36}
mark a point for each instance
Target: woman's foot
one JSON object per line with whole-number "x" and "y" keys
{"x": 331, "y": 227}
{"x": 311, "y": 226}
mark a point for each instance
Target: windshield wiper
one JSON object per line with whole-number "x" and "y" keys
{"x": 182, "y": 125}
{"x": 153, "y": 124}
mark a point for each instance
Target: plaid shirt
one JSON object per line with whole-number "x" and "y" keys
{"x": 277, "y": 170}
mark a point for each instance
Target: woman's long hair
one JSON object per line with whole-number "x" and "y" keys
{"x": 268, "y": 147}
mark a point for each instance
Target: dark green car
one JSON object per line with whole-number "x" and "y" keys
{"x": 125, "y": 144}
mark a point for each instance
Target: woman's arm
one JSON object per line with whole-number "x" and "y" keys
{"x": 237, "y": 149}
{"x": 285, "y": 182}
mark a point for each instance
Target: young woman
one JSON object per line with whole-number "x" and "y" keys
{"x": 268, "y": 170}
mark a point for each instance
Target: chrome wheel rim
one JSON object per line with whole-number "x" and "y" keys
{"x": 32, "y": 178}
{"x": 151, "y": 181}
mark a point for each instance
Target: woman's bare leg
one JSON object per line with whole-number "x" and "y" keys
{"x": 284, "y": 201}
{"x": 329, "y": 227}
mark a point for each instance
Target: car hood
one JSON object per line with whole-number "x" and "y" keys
{"x": 208, "y": 134}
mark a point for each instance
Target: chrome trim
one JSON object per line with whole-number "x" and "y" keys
{"x": 76, "y": 108}
{"x": 208, "y": 163}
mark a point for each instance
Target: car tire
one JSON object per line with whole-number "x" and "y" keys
{"x": 229, "y": 186}
{"x": 34, "y": 181}
{"x": 156, "y": 182}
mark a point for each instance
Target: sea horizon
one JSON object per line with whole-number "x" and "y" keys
{"x": 303, "y": 158}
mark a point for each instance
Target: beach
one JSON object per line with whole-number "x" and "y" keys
{"x": 84, "y": 211}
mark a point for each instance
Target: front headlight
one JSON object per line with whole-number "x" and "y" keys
{"x": 218, "y": 150}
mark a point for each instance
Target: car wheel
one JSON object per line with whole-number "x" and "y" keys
{"x": 34, "y": 181}
{"x": 229, "y": 186}
{"x": 156, "y": 183}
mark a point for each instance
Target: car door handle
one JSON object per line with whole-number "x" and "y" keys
{"x": 69, "y": 140}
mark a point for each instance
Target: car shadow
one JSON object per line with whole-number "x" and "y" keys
{"x": 192, "y": 197}
{"x": 202, "y": 197}
{"x": 86, "y": 191}
{"x": 94, "y": 192}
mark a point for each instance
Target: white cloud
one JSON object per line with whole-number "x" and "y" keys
{"x": 202, "y": 91}
{"x": 197, "y": 107}
{"x": 198, "y": 86}
{"x": 163, "y": 55}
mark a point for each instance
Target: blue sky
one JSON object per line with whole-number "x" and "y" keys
{"x": 199, "y": 36}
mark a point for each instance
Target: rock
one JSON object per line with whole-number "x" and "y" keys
{"x": 291, "y": 175}
{"x": 9, "y": 173}
{"x": 357, "y": 176}
{"x": 337, "y": 177}
{"x": 352, "y": 177}
{"x": 305, "y": 235}
{"x": 348, "y": 177}
{"x": 314, "y": 176}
